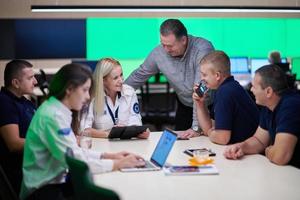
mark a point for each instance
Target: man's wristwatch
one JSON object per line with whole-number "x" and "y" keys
{"x": 197, "y": 130}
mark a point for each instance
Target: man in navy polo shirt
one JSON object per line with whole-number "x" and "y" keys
{"x": 234, "y": 116}
{"x": 16, "y": 114}
{"x": 279, "y": 127}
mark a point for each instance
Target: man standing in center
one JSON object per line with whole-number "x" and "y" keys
{"x": 177, "y": 57}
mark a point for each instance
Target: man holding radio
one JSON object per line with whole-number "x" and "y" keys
{"x": 234, "y": 116}
{"x": 177, "y": 58}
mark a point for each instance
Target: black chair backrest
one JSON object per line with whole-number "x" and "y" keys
{"x": 6, "y": 190}
{"x": 83, "y": 185}
{"x": 158, "y": 103}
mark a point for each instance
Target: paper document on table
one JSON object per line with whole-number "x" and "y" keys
{"x": 191, "y": 170}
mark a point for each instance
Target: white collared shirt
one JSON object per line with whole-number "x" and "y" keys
{"x": 128, "y": 112}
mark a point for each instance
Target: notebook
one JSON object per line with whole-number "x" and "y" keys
{"x": 191, "y": 170}
{"x": 160, "y": 153}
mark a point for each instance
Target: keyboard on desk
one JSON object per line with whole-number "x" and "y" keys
{"x": 159, "y": 155}
{"x": 148, "y": 164}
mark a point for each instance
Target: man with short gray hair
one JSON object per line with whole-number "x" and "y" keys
{"x": 177, "y": 57}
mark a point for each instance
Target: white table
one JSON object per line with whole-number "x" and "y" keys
{"x": 253, "y": 177}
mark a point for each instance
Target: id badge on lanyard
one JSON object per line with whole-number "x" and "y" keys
{"x": 114, "y": 117}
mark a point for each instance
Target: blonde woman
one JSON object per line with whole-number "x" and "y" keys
{"x": 114, "y": 103}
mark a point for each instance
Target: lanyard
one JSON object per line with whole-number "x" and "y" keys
{"x": 114, "y": 118}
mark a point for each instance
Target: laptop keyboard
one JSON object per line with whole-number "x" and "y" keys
{"x": 148, "y": 164}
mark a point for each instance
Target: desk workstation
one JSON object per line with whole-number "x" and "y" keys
{"x": 253, "y": 177}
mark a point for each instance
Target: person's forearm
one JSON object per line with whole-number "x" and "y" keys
{"x": 138, "y": 77}
{"x": 11, "y": 137}
{"x": 116, "y": 165}
{"x": 204, "y": 119}
{"x": 17, "y": 146}
{"x": 195, "y": 117}
{"x": 106, "y": 155}
{"x": 218, "y": 137}
{"x": 277, "y": 156}
{"x": 252, "y": 146}
{"x": 98, "y": 133}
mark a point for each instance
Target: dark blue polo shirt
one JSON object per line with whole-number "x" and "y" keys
{"x": 234, "y": 110}
{"x": 284, "y": 119}
{"x": 14, "y": 110}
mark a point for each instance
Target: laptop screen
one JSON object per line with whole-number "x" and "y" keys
{"x": 163, "y": 147}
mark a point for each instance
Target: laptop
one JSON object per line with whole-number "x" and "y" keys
{"x": 159, "y": 155}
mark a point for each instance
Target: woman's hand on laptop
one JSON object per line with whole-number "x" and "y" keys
{"x": 119, "y": 155}
{"x": 129, "y": 161}
{"x": 113, "y": 156}
{"x": 145, "y": 134}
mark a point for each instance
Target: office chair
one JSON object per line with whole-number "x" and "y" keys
{"x": 158, "y": 103}
{"x": 82, "y": 182}
{"x": 43, "y": 83}
{"x": 6, "y": 192}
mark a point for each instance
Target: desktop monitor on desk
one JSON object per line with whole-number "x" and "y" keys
{"x": 239, "y": 65}
{"x": 240, "y": 70}
{"x": 284, "y": 60}
{"x": 259, "y": 62}
{"x": 284, "y": 65}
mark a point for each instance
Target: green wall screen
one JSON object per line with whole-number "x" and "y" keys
{"x": 296, "y": 67}
{"x": 130, "y": 40}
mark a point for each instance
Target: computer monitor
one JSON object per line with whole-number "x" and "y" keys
{"x": 284, "y": 60}
{"x": 240, "y": 70}
{"x": 239, "y": 65}
{"x": 257, "y": 63}
{"x": 49, "y": 38}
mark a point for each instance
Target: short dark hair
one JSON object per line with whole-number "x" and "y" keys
{"x": 275, "y": 57}
{"x": 70, "y": 75}
{"x": 273, "y": 76}
{"x": 13, "y": 70}
{"x": 173, "y": 26}
{"x": 219, "y": 59}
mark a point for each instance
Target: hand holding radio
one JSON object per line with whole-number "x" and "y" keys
{"x": 201, "y": 89}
